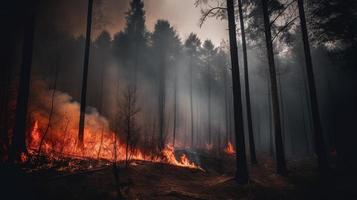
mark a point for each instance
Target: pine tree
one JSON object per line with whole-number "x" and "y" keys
{"x": 166, "y": 45}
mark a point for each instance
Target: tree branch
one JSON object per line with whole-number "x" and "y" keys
{"x": 284, "y": 27}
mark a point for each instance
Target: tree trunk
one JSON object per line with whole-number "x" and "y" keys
{"x": 52, "y": 107}
{"x": 279, "y": 147}
{"x": 319, "y": 139}
{"x": 19, "y": 138}
{"x": 253, "y": 157}
{"x": 175, "y": 111}
{"x": 209, "y": 113}
{"x": 226, "y": 105}
{"x": 242, "y": 171}
{"x": 85, "y": 75}
{"x": 161, "y": 105}
{"x": 191, "y": 100}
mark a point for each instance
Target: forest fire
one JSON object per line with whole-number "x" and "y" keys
{"x": 229, "y": 149}
{"x": 97, "y": 146}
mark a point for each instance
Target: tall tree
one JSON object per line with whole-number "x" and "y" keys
{"x": 209, "y": 53}
{"x": 18, "y": 142}
{"x": 166, "y": 44}
{"x": 132, "y": 42}
{"x": 193, "y": 49}
{"x": 253, "y": 157}
{"x": 318, "y": 134}
{"x": 85, "y": 75}
{"x": 242, "y": 171}
{"x": 279, "y": 147}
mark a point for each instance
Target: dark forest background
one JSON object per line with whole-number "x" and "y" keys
{"x": 161, "y": 65}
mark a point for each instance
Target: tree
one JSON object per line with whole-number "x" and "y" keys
{"x": 18, "y": 146}
{"x": 133, "y": 41}
{"x": 128, "y": 112}
{"x": 242, "y": 171}
{"x": 318, "y": 134}
{"x": 166, "y": 44}
{"x": 209, "y": 52}
{"x": 193, "y": 49}
{"x": 280, "y": 155}
{"x": 85, "y": 75}
{"x": 253, "y": 157}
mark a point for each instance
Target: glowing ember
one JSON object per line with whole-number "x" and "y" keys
{"x": 96, "y": 146}
{"x": 229, "y": 149}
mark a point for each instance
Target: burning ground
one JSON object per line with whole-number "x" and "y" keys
{"x": 92, "y": 179}
{"x": 54, "y": 128}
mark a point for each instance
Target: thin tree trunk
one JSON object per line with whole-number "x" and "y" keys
{"x": 85, "y": 75}
{"x": 52, "y": 108}
{"x": 280, "y": 155}
{"x": 175, "y": 111}
{"x": 226, "y": 105}
{"x": 191, "y": 100}
{"x": 128, "y": 129}
{"x": 253, "y": 157}
{"x": 242, "y": 171}
{"x": 161, "y": 102}
{"x": 319, "y": 139}
{"x": 100, "y": 107}
{"x": 209, "y": 114}
{"x": 19, "y": 138}
{"x": 271, "y": 128}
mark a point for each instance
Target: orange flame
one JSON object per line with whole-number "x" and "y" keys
{"x": 96, "y": 146}
{"x": 229, "y": 149}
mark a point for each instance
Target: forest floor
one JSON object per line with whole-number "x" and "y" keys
{"x": 147, "y": 180}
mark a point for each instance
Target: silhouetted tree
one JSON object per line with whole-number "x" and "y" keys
{"x": 85, "y": 75}
{"x": 193, "y": 49}
{"x": 131, "y": 43}
{"x": 279, "y": 147}
{"x": 208, "y": 53}
{"x": 242, "y": 171}
{"x": 318, "y": 134}
{"x": 166, "y": 46}
{"x": 18, "y": 145}
{"x": 253, "y": 157}
{"x": 128, "y": 112}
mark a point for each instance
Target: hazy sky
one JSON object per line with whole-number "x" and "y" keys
{"x": 182, "y": 14}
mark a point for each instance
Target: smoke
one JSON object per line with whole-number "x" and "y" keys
{"x": 65, "y": 113}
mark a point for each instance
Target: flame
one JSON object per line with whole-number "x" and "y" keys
{"x": 229, "y": 149}
{"x": 96, "y": 147}
{"x": 58, "y": 137}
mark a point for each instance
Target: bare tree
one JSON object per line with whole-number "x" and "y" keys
{"x": 127, "y": 113}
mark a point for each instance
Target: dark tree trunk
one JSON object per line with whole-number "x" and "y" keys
{"x": 19, "y": 137}
{"x": 319, "y": 139}
{"x": 209, "y": 112}
{"x": 85, "y": 75}
{"x": 226, "y": 104}
{"x": 161, "y": 102}
{"x": 279, "y": 147}
{"x": 191, "y": 100}
{"x": 175, "y": 110}
{"x": 242, "y": 171}
{"x": 253, "y": 157}
{"x": 52, "y": 106}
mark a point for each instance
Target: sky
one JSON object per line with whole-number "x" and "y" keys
{"x": 182, "y": 14}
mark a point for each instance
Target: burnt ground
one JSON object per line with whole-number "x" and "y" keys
{"x": 145, "y": 180}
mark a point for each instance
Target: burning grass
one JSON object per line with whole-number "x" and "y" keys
{"x": 229, "y": 149}
{"x": 57, "y": 136}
